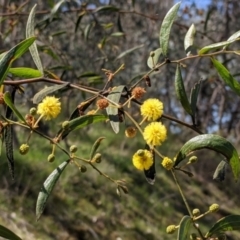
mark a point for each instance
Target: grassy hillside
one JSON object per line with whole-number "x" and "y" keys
{"x": 86, "y": 206}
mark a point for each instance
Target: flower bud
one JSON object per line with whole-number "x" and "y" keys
{"x": 23, "y": 149}
{"x": 51, "y": 157}
{"x": 196, "y": 212}
{"x": 33, "y": 111}
{"x": 214, "y": 207}
{"x": 73, "y": 148}
{"x": 193, "y": 236}
{"x": 138, "y": 92}
{"x": 102, "y": 103}
{"x": 97, "y": 158}
{"x": 83, "y": 169}
{"x": 171, "y": 229}
{"x": 193, "y": 159}
{"x": 65, "y": 124}
{"x": 152, "y": 54}
{"x": 130, "y": 132}
{"x": 167, "y": 163}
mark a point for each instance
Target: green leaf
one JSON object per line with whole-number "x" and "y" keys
{"x": 55, "y": 9}
{"x": 8, "y": 234}
{"x": 112, "y": 111}
{"x": 123, "y": 54}
{"x": 96, "y": 146}
{"x": 180, "y": 91}
{"x": 234, "y": 37}
{"x": 213, "y": 142}
{"x": 30, "y": 33}
{"x": 8, "y": 101}
{"x": 229, "y": 223}
{"x": 47, "y": 188}
{"x": 152, "y": 61}
{"x": 194, "y": 96}
{"x": 14, "y": 53}
{"x": 107, "y": 8}
{"x": 220, "y": 171}
{"x": 226, "y": 76}
{"x": 117, "y": 34}
{"x": 184, "y": 227}
{"x": 80, "y": 16}
{"x": 81, "y": 122}
{"x": 38, "y": 97}
{"x": 87, "y": 30}
{"x": 25, "y": 73}
{"x": 214, "y": 46}
{"x": 166, "y": 27}
{"x": 189, "y": 39}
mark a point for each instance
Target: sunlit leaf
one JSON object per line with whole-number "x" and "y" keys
{"x": 96, "y": 146}
{"x": 56, "y": 8}
{"x": 118, "y": 34}
{"x": 112, "y": 111}
{"x": 213, "y": 142}
{"x": 14, "y": 53}
{"x": 123, "y": 54}
{"x": 220, "y": 171}
{"x": 166, "y": 27}
{"x": 180, "y": 91}
{"x": 30, "y": 33}
{"x": 38, "y": 97}
{"x": 25, "y": 73}
{"x": 229, "y": 223}
{"x": 8, "y": 101}
{"x": 152, "y": 61}
{"x": 81, "y": 122}
{"x": 189, "y": 40}
{"x": 8, "y": 234}
{"x": 184, "y": 227}
{"x": 47, "y": 188}
{"x": 226, "y": 76}
{"x": 234, "y": 37}
{"x": 214, "y": 46}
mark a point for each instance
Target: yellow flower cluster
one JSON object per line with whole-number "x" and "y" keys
{"x": 152, "y": 109}
{"x": 142, "y": 159}
{"x": 167, "y": 163}
{"x": 155, "y": 134}
{"x": 49, "y": 108}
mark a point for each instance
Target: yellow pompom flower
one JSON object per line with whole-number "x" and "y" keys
{"x": 142, "y": 159}
{"x": 49, "y": 108}
{"x": 152, "y": 109}
{"x": 155, "y": 134}
{"x": 167, "y": 163}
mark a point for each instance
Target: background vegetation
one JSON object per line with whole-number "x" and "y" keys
{"x": 76, "y": 40}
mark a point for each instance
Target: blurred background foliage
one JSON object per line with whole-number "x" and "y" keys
{"x": 76, "y": 40}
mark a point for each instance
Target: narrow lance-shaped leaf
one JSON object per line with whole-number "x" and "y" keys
{"x": 229, "y": 223}
{"x": 214, "y": 46}
{"x": 112, "y": 111}
{"x": 180, "y": 91}
{"x": 226, "y": 76}
{"x": 166, "y": 27}
{"x": 96, "y": 146}
{"x": 193, "y": 98}
{"x": 184, "y": 227}
{"x": 189, "y": 39}
{"x": 154, "y": 57}
{"x": 8, "y": 234}
{"x": 8, "y": 101}
{"x": 56, "y": 8}
{"x": 234, "y": 37}
{"x": 38, "y": 97}
{"x": 220, "y": 171}
{"x": 30, "y": 33}
{"x": 123, "y": 54}
{"x": 13, "y": 54}
{"x": 81, "y": 122}
{"x": 47, "y": 188}
{"x": 213, "y": 142}
{"x": 107, "y": 8}
{"x": 25, "y": 73}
